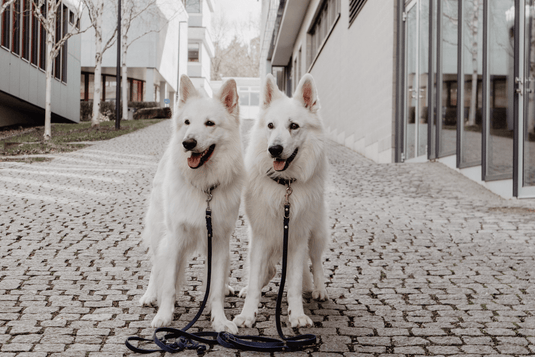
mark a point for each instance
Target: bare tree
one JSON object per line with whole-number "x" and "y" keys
{"x": 47, "y": 12}
{"x": 148, "y": 13}
{"x": 96, "y": 12}
{"x": 237, "y": 57}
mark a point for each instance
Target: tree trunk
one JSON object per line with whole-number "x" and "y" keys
{"x": 97, "y": 78}
{"x": 473, "y": 96}
{"x": 51, "y": 18}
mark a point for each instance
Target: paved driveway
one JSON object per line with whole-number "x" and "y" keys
{"x": 421, "y": 262}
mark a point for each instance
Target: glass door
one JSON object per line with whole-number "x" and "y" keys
{"x": 524, "y": 89}
{"x": 411, "y": 90}
{"x": 416, "y": 79}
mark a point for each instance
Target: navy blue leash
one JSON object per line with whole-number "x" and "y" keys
{"x": 184, "y": 340}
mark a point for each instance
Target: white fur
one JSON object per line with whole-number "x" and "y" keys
{"x": 175, "y": 224}
{"x": 264, "y": 200}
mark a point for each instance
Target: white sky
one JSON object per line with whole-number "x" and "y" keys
{"x": 241, "y": 11}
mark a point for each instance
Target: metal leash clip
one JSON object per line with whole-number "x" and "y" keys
{"x": 289, "y": 192}
{"x": 209, "y": 197}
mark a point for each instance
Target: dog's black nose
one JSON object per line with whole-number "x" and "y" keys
{"x": 275, "y": 150}
{"x": 189, "y": 144}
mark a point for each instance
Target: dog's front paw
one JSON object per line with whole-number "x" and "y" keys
{"x": 229, "y": 290}
{"x": 244, "y": 320}
{"x": 301, "y": 321}
{"x": 243, "y": 292}
{"x": 162, "y": 319}
{"x": 224, "y": 325}
{"x": 320, "y": 294}
{"x": 148, "y": 299}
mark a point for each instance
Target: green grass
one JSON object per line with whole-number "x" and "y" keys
{"x": 65, "y": 137}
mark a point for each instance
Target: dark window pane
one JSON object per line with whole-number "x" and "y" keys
{"x": 6, "y": 26}
{"x": 26, "y": 18}
{"x": 193, "y": 52}
{"x": 35, "y": 38}
{"x": 15, "y": 44}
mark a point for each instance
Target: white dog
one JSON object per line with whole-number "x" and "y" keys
{"x": 204, "y": 153}
{"x": 286, "y": 144}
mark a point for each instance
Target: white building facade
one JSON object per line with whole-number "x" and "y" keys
{"x": 155, "y": 61}
{"x": 23, "y": 63}
{"x": 200, "y": 44}
{"x": 418, "y": 80}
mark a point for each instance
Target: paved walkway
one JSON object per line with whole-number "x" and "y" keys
{"x": 421, "y": 262}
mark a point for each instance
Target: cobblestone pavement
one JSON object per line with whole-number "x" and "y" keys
{"x": 421, "y": 262}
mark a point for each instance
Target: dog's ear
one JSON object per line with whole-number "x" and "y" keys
{"x": 271, "y": 91}
{"x": 307, "y": 94}
{"x": 187, "y": 90}
{"x": 228, "y": 95}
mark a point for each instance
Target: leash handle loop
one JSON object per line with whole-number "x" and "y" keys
{"x": 184, "y": 340}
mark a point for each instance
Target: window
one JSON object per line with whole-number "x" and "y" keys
{"x": 42, "y": 40}
{"x": 34, "y": 38}
{"x": 64, "y": 47}
{"x": 57, "y": 60}
{"x": 325, "y": 19}
{"x": 15, "y": 44}
{"x": 110, "y": 88}
{"x": 354, "y": 9}
{"x": 137, "y": 90}
{"x": 193, "y": 52}
{"x": 6, "y": 26}
{"x": 26, "y": 18}
{"x": 192, "y": 6}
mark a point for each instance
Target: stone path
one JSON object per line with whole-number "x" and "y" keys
{"x": 422, "y": 261}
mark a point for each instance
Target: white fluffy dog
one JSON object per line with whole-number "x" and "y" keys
{"x": 204, "y": 152}
{"x": 286, "y": 144}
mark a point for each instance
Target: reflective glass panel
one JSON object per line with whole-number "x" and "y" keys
{"x": 448, "y": 123}
{"x": 412, "y": 87}
{"x": 473, "y": 79}
{"x": 501, "y": 81}
{"x": 423, "y": 73}
{"x": 528, "y": 165}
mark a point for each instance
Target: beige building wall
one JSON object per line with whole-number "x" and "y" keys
{"x": 356, "y": 93}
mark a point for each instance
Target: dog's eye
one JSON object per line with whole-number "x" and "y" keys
{"x": 186, "y": 122}
{"x": 271, "y": 126}
{"x": 294, "y": 126}
{"x": 209, "y": 123}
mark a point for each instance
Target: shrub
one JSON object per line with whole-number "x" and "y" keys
{"x": 108, "y": 108}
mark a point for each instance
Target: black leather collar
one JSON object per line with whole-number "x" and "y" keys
{"x": 209, "y": 190}
{"x": 283, "y": 181}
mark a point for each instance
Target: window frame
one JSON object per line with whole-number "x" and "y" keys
{"x": 319, "y": 25}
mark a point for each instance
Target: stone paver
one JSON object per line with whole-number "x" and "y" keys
{"x": 421, "y": 261}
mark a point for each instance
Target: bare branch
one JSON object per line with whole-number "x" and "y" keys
{"x": 6, "y": 5}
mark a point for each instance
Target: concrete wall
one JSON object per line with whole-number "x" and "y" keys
{"x": 356, "y": 93}
{"x": 26, "y": 82}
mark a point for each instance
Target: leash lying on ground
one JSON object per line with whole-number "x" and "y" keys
{"x": 184, "y": 340}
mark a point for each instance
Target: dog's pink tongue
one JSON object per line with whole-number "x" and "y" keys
{"x": 278, "y": 165}
{"x": 194, "y": 160}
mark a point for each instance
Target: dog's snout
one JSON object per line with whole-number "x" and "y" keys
{"x": 275, "y": 150}
{"x": 189, "y": 144}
